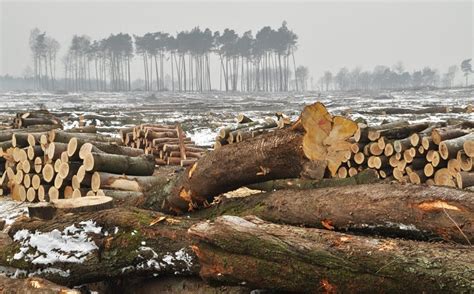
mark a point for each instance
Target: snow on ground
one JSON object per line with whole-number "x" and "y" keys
{"x": 202, "y": 114}
{"x": 11, "y": 210}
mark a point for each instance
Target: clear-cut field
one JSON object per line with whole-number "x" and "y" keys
{"x": 202, "y": 114}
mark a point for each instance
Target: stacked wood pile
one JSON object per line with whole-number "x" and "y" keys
{"x": 49, "y": 165}
{"x": 436, "y": 154}
{"x": 248, "y": 128}
{"x": 168, "y": 144}
{"x": 34, "y": 119}
{"x": 354, "y": 239}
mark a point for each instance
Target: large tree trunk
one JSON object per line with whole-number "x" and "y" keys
{"x": 105, "y": 245}
{"x": 271, "y": 156}
{"x": 263, "y": 255}
{"x": 409, "y": 211}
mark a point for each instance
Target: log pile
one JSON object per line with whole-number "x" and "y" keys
{"x": 38, "y": 118}
{"x": 56, "y": 164}
{"x": 168, "y": 144}
{"x": 436, "y": 154}
{"x": 248, "y": 128}
{"x": 317, "y": 233}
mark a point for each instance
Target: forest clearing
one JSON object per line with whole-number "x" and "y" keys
{"x": 280, "y": 192}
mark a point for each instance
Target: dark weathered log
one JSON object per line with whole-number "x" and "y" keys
{"x": 402, "y": 132}
{"x": 365, "y": 177}
{"x": 271, "y": 156}
{"x": 143, "y": 165}
{"x": 64, "y": 137}
{"x": 263, "y": 255}
{"x": 120, "y": 242}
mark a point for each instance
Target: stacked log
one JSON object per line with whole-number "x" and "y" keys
{"x": 168, "y": 144}
{"x": 54, "y": 165}
{"x": 436, "y": 154}
{"x": 248, "y": 128}
{"x": 35, "y": 118}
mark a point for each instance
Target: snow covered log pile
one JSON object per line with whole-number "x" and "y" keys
{"x": 436, "y": 154}
{"x": 248, "y": 128}
{"x": 168, "y": 144}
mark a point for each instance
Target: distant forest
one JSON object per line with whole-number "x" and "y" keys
{"x": 247, "y": 63}
{"x": 264, "y": 63}
{"x": 384, "y": 77}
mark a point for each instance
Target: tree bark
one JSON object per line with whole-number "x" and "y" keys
{"x": 250, "y": 251}
{"x": 120, "y": 164}
{"x": 127, "y": 242}
{"x": 272, "y": 156}
{"x": 409, "y": 211}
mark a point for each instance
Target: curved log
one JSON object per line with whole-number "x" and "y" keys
{"x": 271, "y": 156}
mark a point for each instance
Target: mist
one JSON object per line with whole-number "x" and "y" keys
{"x": 331, "y": 35}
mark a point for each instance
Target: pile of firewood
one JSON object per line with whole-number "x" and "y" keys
{"x": 56, "y": 164}
{"x": 168, "y": 144}
{"x": 435, "y": 154}
{"x": 248, "y": 128}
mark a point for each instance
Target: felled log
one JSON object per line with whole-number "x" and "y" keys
{"x": 126, "y": 242}
{"x": 270, "y": 156}
{"x": 450, "y": 148}
{"x": 283, "y": 258}
{"x": 65, "y": 137}
{"x": 123, "y": 182}
{"x": 365, "y": 177}
{"x": 143, "y": 165}
{"x": 395, "y": 210}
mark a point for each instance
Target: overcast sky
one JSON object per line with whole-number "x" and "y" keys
{"x": 331, "y": 34}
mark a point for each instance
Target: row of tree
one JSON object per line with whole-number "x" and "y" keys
{"x": 246, "y": 63}
{"x": 384, "y": 77}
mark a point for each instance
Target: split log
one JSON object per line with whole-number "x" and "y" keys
{"x": 123, "y": 182}
{"x": 143, "y": 165}
{"x": 292, "y": 259}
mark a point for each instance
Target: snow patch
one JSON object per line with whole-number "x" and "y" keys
{"x": 71, "y": 245}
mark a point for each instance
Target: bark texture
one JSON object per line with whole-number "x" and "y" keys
{"x": 264, "y": 255}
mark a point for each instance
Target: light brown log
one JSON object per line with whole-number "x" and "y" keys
{"x": 450, "y": 148}
{"x": 48, "y": 172}
{"x": 31, "y": 194}
{"x": 388, "y": 150}
{"x": 393, "y": 161}
{"x": 375, "y": 149}
{"x": 415, "y": 139}
{"x": 428, "y": 144}
{"x": 242, "y": 119}
{"x": 454, "y": 166}
{"x": 54, "y": 150}
{"x": 27, "y": 180}
{"x": 34, "y": 151}
{"x": 35, "y": 181}
{"x": 464, "y": 161}
{"x": 417, "y": 177}
{"x": 188, "y": 162}
{"x": 428, "y": 170}
{"x": 342, "y": 172}
{"x": 64, "y": 137}
{"x": 442, "y": 177}
{"x": 359, "y": 158}
{"x": 58, "y": 182}
{"x": 139, "y": 165}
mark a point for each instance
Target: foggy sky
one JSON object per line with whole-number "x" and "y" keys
{"x": 331, "y": 34}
